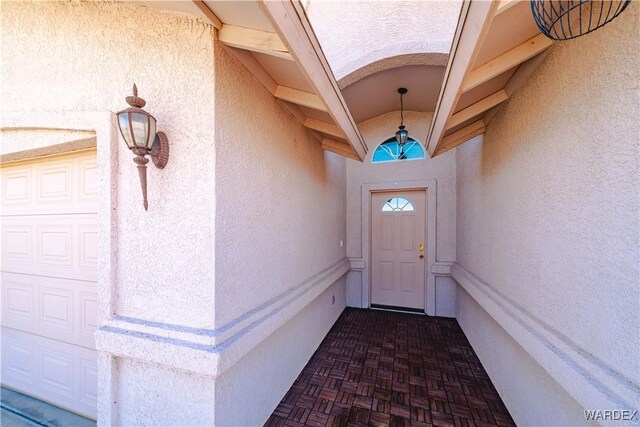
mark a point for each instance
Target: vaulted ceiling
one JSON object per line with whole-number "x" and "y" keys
{"x": 334, "y": 66}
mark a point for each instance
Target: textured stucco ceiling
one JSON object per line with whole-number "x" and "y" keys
{"x": 355, "y": 33}
{"x": 377, "y": 94}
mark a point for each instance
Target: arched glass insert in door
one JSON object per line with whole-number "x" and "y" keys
{"x": 390, "y": 151}
{"x": 399, "y": 204}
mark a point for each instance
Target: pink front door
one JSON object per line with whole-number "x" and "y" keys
{"x": 398, "y": 249}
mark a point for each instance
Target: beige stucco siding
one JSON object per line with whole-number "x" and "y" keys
{"x": 280, "y": 213}
{"x": 69, "y": 65}
{"x": 63, "y": 56}
{"x": 548, "y": 203}
{"x": 280, "y": 220}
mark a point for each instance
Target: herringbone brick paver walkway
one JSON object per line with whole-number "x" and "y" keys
{"x": 382, "y": 368}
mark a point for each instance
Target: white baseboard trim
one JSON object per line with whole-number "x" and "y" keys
{"x": 590, "y": 381}
{"x": 211, "y": 351}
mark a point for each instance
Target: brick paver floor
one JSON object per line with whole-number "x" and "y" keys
{"x": 383, "y": 368}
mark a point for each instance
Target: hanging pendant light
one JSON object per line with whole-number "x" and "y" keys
{"x": 402, "y": 134}
{"x": 568, "y": 19}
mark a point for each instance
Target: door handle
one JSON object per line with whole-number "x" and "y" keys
{"x": 421, "y": 247}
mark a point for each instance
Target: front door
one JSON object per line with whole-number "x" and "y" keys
{"x": 398, "y": 221}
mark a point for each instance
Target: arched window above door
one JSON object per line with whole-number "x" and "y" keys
{"x": 398, "y": 204}
{"x": 390, "y": 151}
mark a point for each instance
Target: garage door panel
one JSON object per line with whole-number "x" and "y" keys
{"x": 17, "y": 360}
{"x": 57, "y": 372}
{"x": 16, "y": 187}
{"x": 18, "y": 302}
{"x": 54, "y": 183}
{"x": 17, "y": 243}
{"x": 56, "y": 311}
{"x": 88, "y": 320}
{"x": 49, "y": 239}
{"x": 88, "y": 182}
{"x": 88, "y": 381}
{"x": 66, "y": 184}
{"x": 55, "y": 245}
{"x": 65, "y": 310}
{"x": 51, "y": 245}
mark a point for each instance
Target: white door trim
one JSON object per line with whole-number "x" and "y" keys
{"x": 428, "y": 185}
{"x": 104, "y": 125}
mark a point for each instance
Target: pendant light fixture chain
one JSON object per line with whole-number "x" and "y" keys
{"x": 402, "y": 91}
{"x": 402, "y": 134}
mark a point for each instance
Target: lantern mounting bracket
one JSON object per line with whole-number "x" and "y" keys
{"x": 160, "y": 150}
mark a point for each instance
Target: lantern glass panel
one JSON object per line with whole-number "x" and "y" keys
{"x": 140, "y": 128}
{"x": 152, "y": 132}
{"x": 401, "y": 136}
{"x": 123, "y": 123}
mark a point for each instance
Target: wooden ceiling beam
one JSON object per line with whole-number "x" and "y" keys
{"x": 477, "y": 108}
{"x": 299, "y": 97}
{"x": 341, "y": 148}
{"x": 524, "y": 72}
{"x": 254, "y": 40}
{"x": 473, "y": 27}
{"x": 258, "y": 71}
{"x": 506, "y": 61}
{"x": 217, "y": 23}
{"x": 292, "y": 25}
{"x": 519, "y": 77}
{"x": 324, "y": 127}
{"x": 463, "y": 135}
{"x": 506, "y": 5}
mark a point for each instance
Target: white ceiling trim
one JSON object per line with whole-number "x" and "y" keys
{"x": 475, "y": 19}
{"x": 291, "y": 23}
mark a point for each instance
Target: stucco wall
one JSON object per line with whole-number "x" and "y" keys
{"x": 542, "y": 401}
{"x": 440, "y": 169}
{"x": 280, "y": 213}
{"x": 149, "y": 394}
{"x": 249, "y": 392}
{"x": 69, "y": 65}
{"x": 547, "y": 217}
{"x": 280, "y": 220}
{"x": 355, "y": 33}
{"x": 85, "y": 56}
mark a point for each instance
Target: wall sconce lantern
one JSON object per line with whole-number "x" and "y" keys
{"x": 402, "y": 134}
{"x": 138, "y": 129}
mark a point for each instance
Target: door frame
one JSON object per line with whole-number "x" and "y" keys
{"x": 429, "y": 187}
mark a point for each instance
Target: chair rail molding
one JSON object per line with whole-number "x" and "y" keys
{"x": 442, "y": 268}
{"x": 213, "y": 351}
{"x": 589, "y": 380}
{"x": 358, "y": 263}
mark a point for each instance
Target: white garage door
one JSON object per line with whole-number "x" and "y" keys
{"x": 49, "y": 239}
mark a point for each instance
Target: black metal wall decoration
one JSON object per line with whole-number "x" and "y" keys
{"x": 567, "y": 19}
